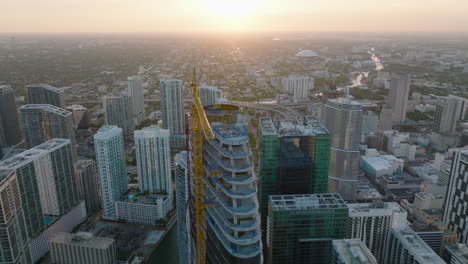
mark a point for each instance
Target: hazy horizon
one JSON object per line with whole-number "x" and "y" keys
{"x": 217, "y": 16}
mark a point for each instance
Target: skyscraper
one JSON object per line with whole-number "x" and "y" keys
{"x": 9, "y": 117}
{"x": 398, "y": 96}
{"x": 41, "y": 123}
{"x": 45, "y": 94}
{"x": 343, "y": 118}
{"x": 14, "y": 247}
{"x": 404, "y": 246}
{"x": 455, "y": 211}
{"x": 172, "y": 108}
{"x": 135, "y": 89}
{"x": 110, "y": 156}
{"x": 301, "y": 227}
{"x": 385, "y": 118}
{"x": 183, "y": 223}
{"x": 371, "y": 223}
{"x": 87, "y": 183}
{"x": 232, "y": 221}
{"x": 118, "y": 111}
{"x": 446, "y": 115}
{"x": 153, "y": 156}
{"x": 209, "y": 94}
{"x": 294, "y": 158}
{"x": 298, "y": 87}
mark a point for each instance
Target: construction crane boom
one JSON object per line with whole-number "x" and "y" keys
{"x": 200, "y": 128}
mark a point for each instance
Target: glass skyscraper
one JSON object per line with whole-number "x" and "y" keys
{"x": 45, "y": 94}
{"x": 110, "y": 156}
{"x": 118, "y": 111}
{"x": 9, "y": 117}
{"x": 172, "y": 109}
{"x": 135, "y": 89}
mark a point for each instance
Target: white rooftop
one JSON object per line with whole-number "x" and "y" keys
{"x": 306, "y": 54}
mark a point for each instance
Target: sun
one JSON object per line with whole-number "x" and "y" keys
{"x": 233, "y": 9}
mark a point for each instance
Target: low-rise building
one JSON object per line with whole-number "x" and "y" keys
{"x": 351, "y": 251}
{"x": 144, "y": 209}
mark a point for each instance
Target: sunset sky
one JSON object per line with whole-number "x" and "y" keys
{"x": 238, "y": 15}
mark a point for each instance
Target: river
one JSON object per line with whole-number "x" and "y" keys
{"x": 378, "y": 67}
{"x": 167, "y": 251}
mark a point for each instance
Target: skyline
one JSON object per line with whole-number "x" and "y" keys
{"x": 241, "y": 16}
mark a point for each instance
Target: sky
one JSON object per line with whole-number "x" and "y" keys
{"x": 234, "y": 15}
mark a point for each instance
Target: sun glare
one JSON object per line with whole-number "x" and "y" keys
{"x": 233, "y": 9}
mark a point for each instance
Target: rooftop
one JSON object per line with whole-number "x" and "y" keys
{"x": 107, "y": 131}
{"x": 136, "y": 197}
{"x": 46, "y": 86}
{"x": 47, "y": 107}
{"x": 354, "y": 251}
{"x": 417, "y": 247}
{"x": 374, "y": 209}
{"x": 311, "y": 126}
{"x": 152, "y": 131}
{"x": 82, "y": 239}
{"x": 307, "y": 201}
{"x": 306, "y": 54}
{"x": 344, "y": 103}
{"x": 458, "y": 251}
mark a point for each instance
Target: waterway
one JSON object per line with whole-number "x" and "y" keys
{"x": 378, "y": 67}
{"x": 167, "y": 251}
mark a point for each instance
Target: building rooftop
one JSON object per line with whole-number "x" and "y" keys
{"x": 141, "y": 198}
{"x": 377, "y": 208}
{"x": 25, "y": 157}
{"x": 46, "y": 86}
{"x": 284, "y": 127}
{"x": 344, "y": 103}
{"x": 307, "y": 201}
{"x": 306, "y": 54}
{"x": 458, "y": 251}
{"x": 106, "y": 131}
{"x": 82, "y": 239}
{"x": 354, "y": 251}
{"x": 419, "y": 249}
{"x": 47, "y": 107}
{"x": 152, "y": 131}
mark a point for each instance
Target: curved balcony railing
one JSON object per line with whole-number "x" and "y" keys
{"x": 222, "y": 220}
{"x": 248, "y": 238}
{"x": 243, "y": 210}
{"x": 240, "y": 193}
{"x": 227, "y": 163}
{"x": 229, "y": 153}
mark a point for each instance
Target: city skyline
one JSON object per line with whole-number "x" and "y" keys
{"x": 238, "y": 16}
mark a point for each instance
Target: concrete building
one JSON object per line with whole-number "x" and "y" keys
{"x": 110, "y": 156}
{"x": 456, "y": 254}
{"x": 82, "y": 248}
{"x": 41, "y": 123}
{"x": 14, "y": 247}
{"x": 454, "y": 207}
{"x": 398, "y": 145}
{"x": 172, "y": 109}
{"x": 9, "y": 122}
{"x": 183, "y": 217}
{"x": 446, "y": 115}
{"x": 233, "y": 222}
{"x": 81, "y": 116}
{"x": 294, "y": 158}
{"x": 404, "y": 246}
{"x": 209, "y": 94}
{"x": 343, "y": 118}
{"x": 370, "y": 122}
{"x": 136, "y": 91}
{"x": 376, "y": 166}
{"x": 143, "y": 209}
{"x": 301, "y": 227}
{"x": 298, "y": 87}
{"x": 385, "y": 118}
{"x": 118, "y": 111}
{"x": 371, "y": 223}
{"x": 351, "y": 251}
{"x": 153, "y": 155}
{"x": 398, "y": 96}
{"x": 45, "y": 94}
{"x": 88, "y": 185}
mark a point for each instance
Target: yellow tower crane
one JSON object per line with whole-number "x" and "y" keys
{"x": 200, "y": 128}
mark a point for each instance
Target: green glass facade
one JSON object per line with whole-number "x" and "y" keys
{"x": 301, "y": 227}
{"x": 294, "y": 159}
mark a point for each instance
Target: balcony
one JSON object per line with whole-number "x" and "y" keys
{"x": 247, "y": 207}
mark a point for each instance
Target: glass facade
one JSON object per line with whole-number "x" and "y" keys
{"x": 45, "y": 94}
{"x": 301, "y": 227}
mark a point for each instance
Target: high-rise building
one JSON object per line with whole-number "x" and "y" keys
{"x": 209, "y": 94}
{"x": 232, "y": 222}
{"x": 371, "y": 223}
{"x": 182, "y": 194}
{"x": 136, "y": 91}
{"x": 81, "y": 116}
{"x": 153, "y": 157}
{"x": 446, "y": 115}
{"x": 294, "y": 158}
{"x": 301, "y": 227}
{"x": 9, "y": 117}
{"x": 118, "y": 111}
{"x": 87, "y": 184}
{"x": 110, "y": 157}
{"x": 385, "y": 118}
{"x": 82, "y": 248}
{"x": 404, "y": 246}
{"x": 369, "y": 123}
{"x": 45, "y": 94}
{"x": 456, "y": 254}
{"x": 455, "y": 211}
{"x": 343, "y": 118}
{"x": 14, "y": 247}
{"x": 41, "y": 123}
{"x": 172, "y": 109}
{"x": 351, "y": 251}
{"x": 398, "y": 96}
{"x": 298, "y": 87}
